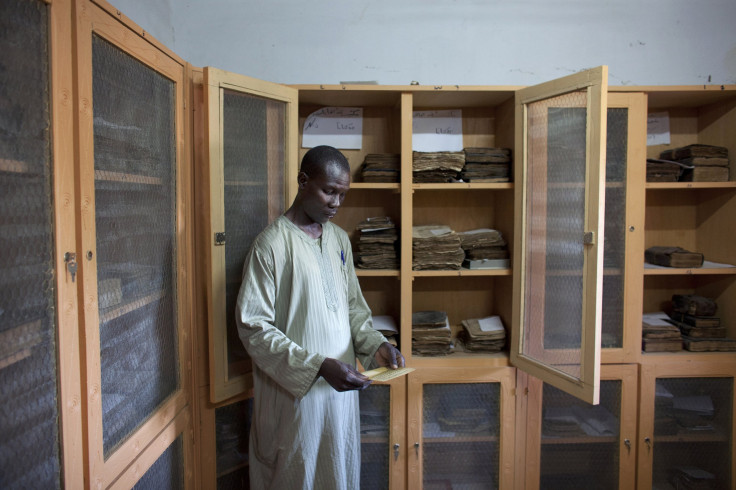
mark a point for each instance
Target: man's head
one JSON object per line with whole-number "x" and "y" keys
{"x": 324, "y": 179}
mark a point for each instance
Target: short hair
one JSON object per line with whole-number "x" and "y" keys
{"x": 316, "y": 160}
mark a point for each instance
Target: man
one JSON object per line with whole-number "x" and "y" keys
{"x": 303, "y": 319}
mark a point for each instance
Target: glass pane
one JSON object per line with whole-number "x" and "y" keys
{"x": 556, "y": 176}
{"x": 232, "y": 433}
{"x": 693, "y": 427}
{"x": 580, "y": 442}
{"x": 460, "y": 435}
{"x": 135, "y": 206}
{"x": 375, "y": 419}
{"x": 167, "y": 473}
{"x": 29, "y": 417}
{"x": 254, "y": 146}
{"x": 614, "y": 244}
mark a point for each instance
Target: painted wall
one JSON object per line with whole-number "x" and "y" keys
{"x": 465, "y": 42}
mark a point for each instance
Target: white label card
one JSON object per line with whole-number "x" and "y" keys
{"x": 341, "y": 127}
{"x": 658, "y": 128}
{"x": 437, "y": 130}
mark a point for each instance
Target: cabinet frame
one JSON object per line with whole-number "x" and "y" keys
{"x": 103, "y": 20}
{"x": 665, "y": 365}
{"x": 215, "y": 81}
{"x": 585, "y": 386}
{"x": 506, "y": 377}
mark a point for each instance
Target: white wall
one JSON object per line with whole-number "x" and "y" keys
{"x": 464, "y": 42}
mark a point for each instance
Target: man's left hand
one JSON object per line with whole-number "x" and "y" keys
{"x": 389, "y": 356}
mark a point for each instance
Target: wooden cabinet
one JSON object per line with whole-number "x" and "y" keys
{"x": 460, "y": 428}
{"x": 686, "y": 428}
{"x": 569, "y": 443}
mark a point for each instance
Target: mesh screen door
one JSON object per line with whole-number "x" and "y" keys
{"x": 29, "y": 417}
{"x": 375, "y": 418}
{"x": 561, "y": 130}
{"x": 249, "y": 131}
{"x": 135, "y": 218}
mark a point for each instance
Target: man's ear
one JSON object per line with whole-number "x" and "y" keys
{"x": 302, "y": 179}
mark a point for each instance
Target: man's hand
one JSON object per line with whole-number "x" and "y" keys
{"x": 341, "y": 376}
{"x": 389, "y": 356}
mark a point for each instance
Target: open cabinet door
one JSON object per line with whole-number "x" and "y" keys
{"x": 252, "y": 158}
{"x": 558, "y": 252}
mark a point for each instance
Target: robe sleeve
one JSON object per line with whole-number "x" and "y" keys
{"x": 366, "y": 340}
{"x": 284, "y": 361}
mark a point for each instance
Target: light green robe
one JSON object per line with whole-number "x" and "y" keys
{"x": 300, "y": 302}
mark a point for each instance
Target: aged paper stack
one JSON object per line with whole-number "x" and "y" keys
{"x": 377, "y": 244}
{"x": 709, "y": 163}
{"x": 430, "y": 333}
{"x": 483, "y": 334}
{"x": 436, "y": 247}
{"x": 437, "y": 166}
{"x": 387, "y": 326}
{"x": 487, "y": 165}
{"x": 701, "y": 330}
{"x": 381, "y": 167}
{"x": 658, "y": 334}
{"x": 484, "y": 248}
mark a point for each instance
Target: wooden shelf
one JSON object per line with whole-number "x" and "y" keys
{"x": 691, "y": 185}
{"x": 375, "y": 186}
{"x": 693, "y": 436}
{"x": 699, "y": 271}
{"x": 13, "y": 166}
{"x": 245, "y": 183}
{"x": 119, "y": 311}
{"x": 459, "y": 439}
{"x": 126, "y": 178}
{"x": 461, "y": 360}
{"x": 377, "y": 272}
{"x": 464, "y": 186}
{"x": 16, "y": 343}
{"x": 462, "y": 273}
{"x": 579, "y": 440}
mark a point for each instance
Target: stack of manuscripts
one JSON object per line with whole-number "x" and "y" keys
{"x": 487, "y": 165}
{"x": 387, "y": 326}
{"x": 483, "y": 334}
{"x": 377, "y": 244}
{"x": 701, "y": 330}
{"x": 430, "y": 333}
{"x": 708, "y": 163}
{"x": 437, "y": 166}
{"x": 673, "y": 257}
{"x": 484, "y": 249}
{"x": 659, "y": 335}
{"x": 436, "y": 247}
{"x": 659, "y": 170}
{"x": 381, "y": 167}
{"x": 692, "y": 478}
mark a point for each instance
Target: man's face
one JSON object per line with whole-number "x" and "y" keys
{"x": 323, "y": 193}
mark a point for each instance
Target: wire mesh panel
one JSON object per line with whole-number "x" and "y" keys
{"x": 556, "y": 176}
{"x": 232, "y": 432}
{"x": 375, "y": 419}
{"x": 135, "y": 211}
{"x": 614, "y": 247}
{"x": 29, "y": 416}
{"x": 460, "y": 434}
{"x": 253, "y": 153}
{"x": 167, "y": 473}
{"x": 693, "y": 430}
{"x": 580, "y": 442}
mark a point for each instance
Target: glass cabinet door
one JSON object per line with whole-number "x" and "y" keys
{"x": 30, "y": 452}
{"x": 460, "y": 429}
{"x": 561, "y": 128}
{"x": 576, "y": 443}
{"x": 250, "y": 131}
{"x": 136, "y": 252}
{"x": 382, "y": 435}
{"x": 686, "y": 425}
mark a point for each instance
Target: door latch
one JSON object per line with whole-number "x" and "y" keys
{"x": 71, "y": 263}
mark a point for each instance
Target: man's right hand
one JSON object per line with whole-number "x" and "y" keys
{"x": 342, "y": 376}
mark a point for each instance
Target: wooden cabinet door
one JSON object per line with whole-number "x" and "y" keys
{"x": 250, "y": 136}
{"x": 461, "y": 428}
{"x": 136, "y": 252}
{"x": 686, "y": 422}
{"x": 559, "y": 187}
{"x": 570, "y": 443}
